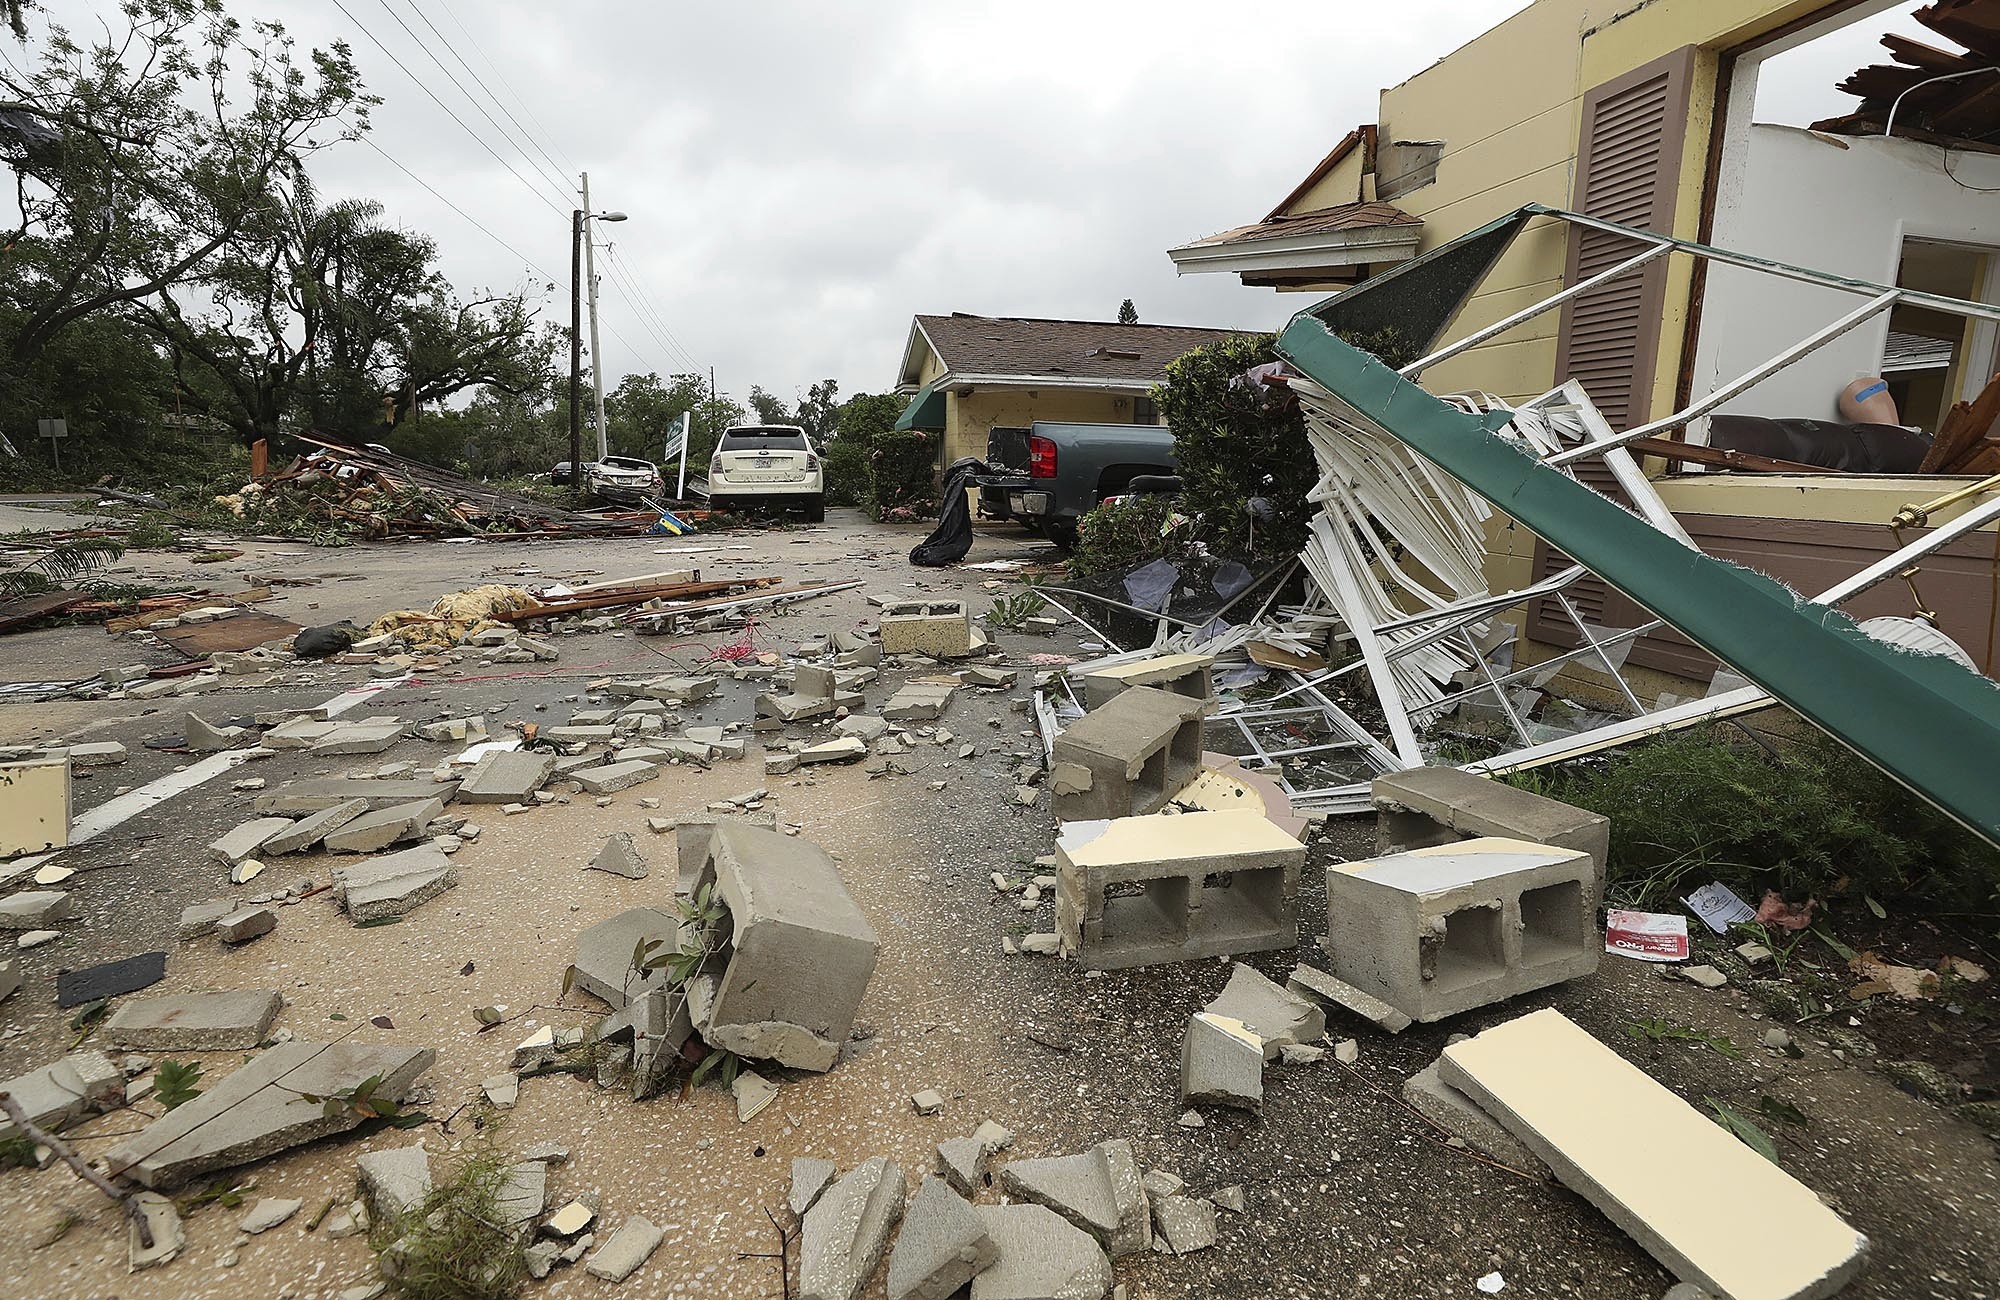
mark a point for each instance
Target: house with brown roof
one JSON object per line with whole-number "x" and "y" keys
{"x": 966, "y": 374}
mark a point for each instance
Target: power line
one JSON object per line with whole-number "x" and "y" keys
{"x": 638, "y": 287}
{"x": 477, "y": 138}
{"x": 476, "y": 223}
{"x": 480, "y": 81}
{"x": 569, "y": 166}
{"x": 667, "y": 349}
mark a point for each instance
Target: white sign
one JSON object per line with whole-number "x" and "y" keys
{"x": 53, "y": 428}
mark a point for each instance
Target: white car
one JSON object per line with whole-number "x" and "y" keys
{"x": 770, "y": 465}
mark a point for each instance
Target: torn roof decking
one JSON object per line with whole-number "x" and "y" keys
{"x": 1923, "y": 719}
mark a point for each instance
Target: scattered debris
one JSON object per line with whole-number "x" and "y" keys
{"x": 194, "y": 1022}
{"x": 847, "y": 1230}
{"x": 943, "y": 1245}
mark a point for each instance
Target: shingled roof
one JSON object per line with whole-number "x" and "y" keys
{"x": 1072, "y": 350}
{"x": 1347, "y": 216}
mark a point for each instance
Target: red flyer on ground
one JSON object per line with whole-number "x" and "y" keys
{"x": 1649, "y": 936}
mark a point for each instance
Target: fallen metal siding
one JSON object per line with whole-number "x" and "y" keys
{"x": 1923, "y": 719}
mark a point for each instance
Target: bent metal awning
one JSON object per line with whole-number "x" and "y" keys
{"x": 925, "y": 411}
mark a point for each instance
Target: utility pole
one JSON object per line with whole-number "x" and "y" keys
{"x": 575, "y": 349}
{"x": 596, "y": 352}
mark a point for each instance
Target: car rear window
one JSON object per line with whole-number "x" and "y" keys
{"x": 763, "y": 440}
{"x": 626, "y": 464}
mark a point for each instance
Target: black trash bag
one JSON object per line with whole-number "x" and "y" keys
{"x": 953, "y": 535}
{"x": 322, "y": 642}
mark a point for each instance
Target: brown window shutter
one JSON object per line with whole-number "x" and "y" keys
{"x": 1629, "y": 145}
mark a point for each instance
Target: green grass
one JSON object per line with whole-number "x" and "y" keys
{"x": 448, "y": 1248}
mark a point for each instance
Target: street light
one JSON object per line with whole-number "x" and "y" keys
{"x": 578, "y": 250}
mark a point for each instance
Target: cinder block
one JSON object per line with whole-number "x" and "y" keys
{"x": 1437, "y": 805}
{"x": 1440, "y": 930}
{"x": 34, "y": 806}
{"x": 1179, "y": 674}
{"x": 941, "y": 629}
{"x": 1129, "y": 757}
{"x": 799, "y": 956}
{"x": 1159, "y": 889}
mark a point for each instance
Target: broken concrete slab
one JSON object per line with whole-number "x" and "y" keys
{"x": 163, "y": 1225}
{"x": 801, "y": 953}
{"x": 958, "y": 1163}
{"x": 613, "y": 777}
{"x": 454, "y": 730}
{"x": 1184, "y": 1223}
{"x": 313, "y": 827}
{"x": 1183, "y": 674}
{"x": 374, "y": 831}
{"x": 108, "y": 753}
{"x": 394, "y": 1182}
{"x": 1280, "y": 1018}
{"x": 297, "y": 733}
{"x": 521, "y": 1197}
{"x": 1307, "y": 982}
{"x": 942, "y": 1247}
{"x": 603, "y": 965}
{"x": 810, "y": 1179}
{"x": 620, "y": 856}
{"x": 57, "y": 1095}
{"x": 753, "y": 1092}
{"x": 1429, "y": 1095}
{"x": 1222, "y": 1062}
{"x": 1040, "y": 1257}
{"x": 245, "y": 924}
{"x": 247, "y": 840}
{"x": 845, "y": 1234}
{"x": 502, "y": 1091}
{"x": 1099, "y": 1190}
{"x": 10, "y": 978}
{"x": 324, "y": 792}
{"x": 194, "y": 1022}
{"x": 1182, "y": 909}
{"x": 393, "y": 884}
{"x": 1428, "y": 806}
{"x": 35, "y": 909}
{"x": 363, "y": 736}
{"x": 861, "y": 726}
{"x": 262, "y": 1108}
{"x": 629, "y": 1246}
{"x": 1438, "y": 931}
{"x": 1579, "y": 1105}
{"x": 842, "y": 749}
{"x": 202, "y": 738}
{"x": 919, "y": 702}
{"x": 506, "y": 776}
{"x": 269, "y": 1212}
{"x": 681, "y": 690}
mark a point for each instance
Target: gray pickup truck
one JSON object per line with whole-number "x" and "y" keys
{"x": 1049, "y": 474}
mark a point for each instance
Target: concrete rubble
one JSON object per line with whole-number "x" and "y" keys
{"x": 1222, "y": 1062}
{"x": 247, "y": 840}
{"x": 506, "y": 776}
{"x": 262, "y": 1108}
{"x": 1100, "y": 1191}
{"x": 201, "y": 737}
{"x": 194, "y": 1022}
{"x": 163, "y": 1224}
{"x": 620, "y": 856}
{"x": 1184, "y": 1224}
{"x": 1317, "y": 985}
{"x": 937, "y": 629}
{"x": 799, "y": 957}
{"x": 810, "y": 1179}
{"x": 57, "y": 1095}
{"x": 1430, "y": 806}
{"x": 35, "y": 909}
{"x": 374, "y": 831}
{"x": 1278, "y": 1017}
{"x": 629, "y": 1246}
{"x": 1128, "y": 757}
{"x": 394, "y": 1182}
{"x": 943, "y": 1245}
{"x": 310, "y": 829}
{"x": 847, "y": 1231}
{"x": 243, "y": 924}
{"x": 394, "y": 884}
{"x": 1040, "y": 1257}
{"x": 1429, "y": 1095}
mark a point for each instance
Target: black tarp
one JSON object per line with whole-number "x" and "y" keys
{"x": 953, "y": 535}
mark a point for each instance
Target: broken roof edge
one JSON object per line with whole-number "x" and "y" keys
{"x": 1923, "y": 719}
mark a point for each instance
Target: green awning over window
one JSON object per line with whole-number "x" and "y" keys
{"x": 925, "y": 411}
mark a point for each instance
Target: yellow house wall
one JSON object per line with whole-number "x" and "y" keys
{"x": 1341, "y": 185}
{"x": 968, "y": 416}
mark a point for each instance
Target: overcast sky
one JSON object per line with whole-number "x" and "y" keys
{"x": 803, "y": 177}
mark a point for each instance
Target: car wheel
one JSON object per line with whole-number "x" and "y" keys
{"x": 815, "y": 510}
{"x": 1062, "y": 532}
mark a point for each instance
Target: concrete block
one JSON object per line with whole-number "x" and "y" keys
{"x": 506, "y": 776}
{"x": 800, "y": 953}
{"x": 1100, "y": 1191}
{"x": 810, "y": 1179}
{"x": 942, "y": 1247}
{"x": 312, "y": 828}
{"x": 841, "y": 749}
{"x": 941, "y": 629}
{"x": 1278, "y": 1017}
{"x": 574, "y": 735}
{"x": 34, "y": 806}
{"x": 1186, "y": 675}
{"x": 247, "y": 840}
{"x": 1156, "y": 889}
{"x": 366, "y": 736}
{"x": 262, "y": 1108}
{"x": 1040, "y": 1257}
{"x": 861, "y": 726}
{"x": 846, "y": 1232}
{"x": 958, "y": 1164}
{"x": 194, "y": 1022}
{"x": 1437, "y": 931}
{"x": 103, "y": 754}
{"x": 1306, "y": 982}
{"x": 394, "y": 1182}
{"x": 57, "y": 1095}
{"x": 621, "y": 857}
{"x": 1129, "y": 757}
{"x": 1222, "y": 1062}
{"x": 374, "y": 831}
{"x": 692, "y": 832}
{"x": 1585, "y": 1110}
{"x": 454, "y": 730}
{"x": 394, "y": 884}
{"x": 613, "y": 777}
{"x": 1184, "y": 1223}
{"x": 1429, "y": 1095}
{"x": 324, "y": 792}
{"x": 681, "y": 690}
{"x": 603, "y": 962}
{"x": 245, "y": 924}
{"x": 629, "y": 1247}
{"x": 35, "y": 909}
{"x": 202, "y": 738}
{"x": 1427, "y": 806}
{"x": 919, "y": 702}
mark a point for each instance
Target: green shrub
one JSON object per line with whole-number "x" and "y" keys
{"x": 1710, "y": 804}
{"x": 846, "y": 464}
{"x": 1113, "y": 540}
{"x": 901, "y": 471}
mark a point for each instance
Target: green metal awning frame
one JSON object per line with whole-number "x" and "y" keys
{"x": 925, "y": 411}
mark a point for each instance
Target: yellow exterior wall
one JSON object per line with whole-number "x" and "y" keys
{"x": 968, "y": 416}
{"x": 1341, "y": 185}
